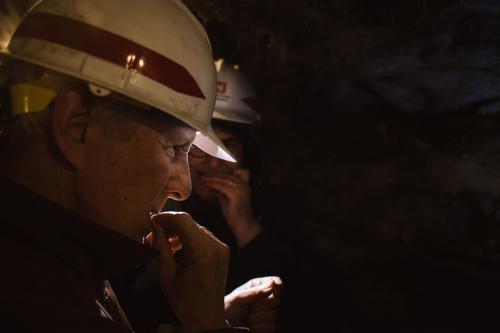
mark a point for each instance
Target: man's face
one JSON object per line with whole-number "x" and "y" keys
{"x": 132, "y": 168}
{"x": 209, "y": 165}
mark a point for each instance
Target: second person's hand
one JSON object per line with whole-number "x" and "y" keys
{"x": 254, "y": 304}
{"x": 235, "y": 199}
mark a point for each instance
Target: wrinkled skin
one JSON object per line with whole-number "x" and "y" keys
{"x": 123, "y": 168}
{"x": 130, "y": 171}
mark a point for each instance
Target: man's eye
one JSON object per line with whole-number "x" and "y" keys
{"x": 169, "y": 150}
{"x": 183, "y": 148}
{"x": 180, "y": 150}
{"x": 177, "y": 151}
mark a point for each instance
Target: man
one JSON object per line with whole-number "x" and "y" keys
{"x": 103, "y": 101}
{"x": 252, "y": 219}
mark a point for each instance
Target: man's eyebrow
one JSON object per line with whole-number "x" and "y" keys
{"x": 178, "y": 138}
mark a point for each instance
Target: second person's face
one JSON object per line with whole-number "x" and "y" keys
{"x": 209, "y": 165}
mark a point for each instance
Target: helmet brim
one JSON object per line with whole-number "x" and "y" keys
{"x": 206, "y": 140}
{"x": 212, "y": 145}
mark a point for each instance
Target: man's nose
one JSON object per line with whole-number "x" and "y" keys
{"x": 179, "y": 187}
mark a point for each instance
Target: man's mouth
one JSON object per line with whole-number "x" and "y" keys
{"x": 158, "y": 205}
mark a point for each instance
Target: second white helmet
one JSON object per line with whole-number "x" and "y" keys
{"x": 236, "y": 100}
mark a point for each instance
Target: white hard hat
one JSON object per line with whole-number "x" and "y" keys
{"x": 153, "y": 51}
{"x": 236, "y": 100}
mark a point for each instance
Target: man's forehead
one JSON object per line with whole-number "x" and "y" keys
{"x": 162, "y": 121}
{"x": 179, "y": 132}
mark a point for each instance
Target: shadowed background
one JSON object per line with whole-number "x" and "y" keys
{"x": 380, "y": 117}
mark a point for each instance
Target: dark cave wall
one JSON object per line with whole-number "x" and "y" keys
{"x": 364, "y": 99}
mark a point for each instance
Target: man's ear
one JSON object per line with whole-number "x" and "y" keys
{"x": 69, "y": 122}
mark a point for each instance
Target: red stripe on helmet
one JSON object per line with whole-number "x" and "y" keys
{"x": 111, "y": 47}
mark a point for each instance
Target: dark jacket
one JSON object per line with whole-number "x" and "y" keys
{"x": 55, "y": 267}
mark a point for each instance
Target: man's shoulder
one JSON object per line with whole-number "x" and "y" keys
{"x": 31, "y": 270}
{"x": 38, "y": 289}
{"x": 21, "y": 256}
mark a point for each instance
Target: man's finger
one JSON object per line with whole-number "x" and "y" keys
{"x": 273, "y": 282}
{"x": 165, "y": 261}
{"x": 181, "y": 225}
{"x": 266, "y": 280}
{"x": 250, "y": 296}
{"x": 160, "y": 239}
{"x": 174, "y": 241}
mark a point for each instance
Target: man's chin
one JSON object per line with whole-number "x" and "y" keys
{"x": 135, "y": 235}
{"x": 142, "y": 231}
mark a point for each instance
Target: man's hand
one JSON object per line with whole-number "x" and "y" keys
{"x": 254, "y": 304}
{"x": 194, "y": 281}
{"x": 235, "y": 198}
